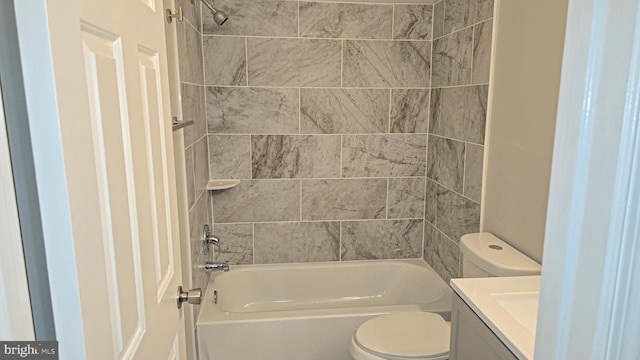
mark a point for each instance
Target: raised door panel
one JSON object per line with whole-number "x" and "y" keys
{"x": 117, "y": 239}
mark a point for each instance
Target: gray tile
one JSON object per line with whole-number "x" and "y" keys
{"x": 449, "y": 119}
{"x": 295, "y": 156}
{"x": 236, "y": 243}
{"x": 473, "y": 165}
{"x": 374, "y": 63}
{"x": 192, "y": 97}
{"x": 258, "y": 200}
{"x": 409, "y": 110}
{"x": 412, "y": 22}
{"x": 406, "y": 198}
{"x": 431, "y": 204}
{"x": 297, "y": 242}
{"x": 353, "y": 21}
{"x": 441, "y": 253}
{"x": 458, "y": 14}
{"x": 438, "y": 19}
{"x": 198, "y": 217}
{"x": 191, "y": 11}
{"x": 381, "y": 239}
{"x": 445, "y": 163}
{"x": 384, "y": 155}
{"x": 201, "y": 165}
{"x": 344, "y": 199}
{"x": 482, "y": 52}
{"x": 225, "y": 60}
{"x": 452, "y": 59}
{"x": 189, "y": 53}
{"x": 199, "y": 278}
{"x": 294, "y": 62}
{"x": 254, "y": 17}
{"x": 188, "y": 164}
{"x": 456, "y": 215}
{"x": 337, "y": 111}
{"x": 252, "y": 110}
{"x": 230, "y": 156}
{"x": 483, "y": 10}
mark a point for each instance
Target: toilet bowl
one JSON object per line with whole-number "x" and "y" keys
{"x": 419, "y": 335}
{"x": 402, "y": 335}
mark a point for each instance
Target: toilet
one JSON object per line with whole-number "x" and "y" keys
{"x": 417, "y": 335}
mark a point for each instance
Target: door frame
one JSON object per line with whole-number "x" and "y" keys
{"x": 36, "y": 58}
{"x": 17, "y": 323}
{"x": 591, "y": 252}
{"x": 22, "y": 163}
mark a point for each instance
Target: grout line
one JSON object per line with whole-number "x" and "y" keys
{"x": 336, "y": 87}
{"x": 300, "y": 198}
{"x": 341, "y": 147}
{"x": 393, "y": 20}
{"x": 473, "y": 47}
{"x": 453, "y": 191}
{"x": 464, "y": 166}
{"x": 246, "y": 59}
{"x": 454, "y": 139}
{"x": 320, "y": 221}
{"x": 299, "y": 111}
{"x": 390, "y": 106}
{"x": 340, "y": 241}
{"x": 316, "y": 134}
{"x": 251, "y": 154}
{"x": 342, "y": 65}
{"x": 253, "y": 242}
{"x": 330, "y": 178}
{"x": 299, "y": 35}
{"x": 386, "y": 216}
{"x": 303, "y": 38}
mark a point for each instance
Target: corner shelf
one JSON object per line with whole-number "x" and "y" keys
{"x": 221, "y": 184}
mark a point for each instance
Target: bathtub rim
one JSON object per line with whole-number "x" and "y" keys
{"x": 211, "y": 314}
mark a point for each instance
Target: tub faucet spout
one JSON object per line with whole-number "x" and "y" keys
{"x": 210, "y": 266}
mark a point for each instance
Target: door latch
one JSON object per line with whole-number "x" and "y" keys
{"x": 192, "y": 296}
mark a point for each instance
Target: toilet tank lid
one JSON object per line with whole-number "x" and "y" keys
{"x": 495, "y": 256}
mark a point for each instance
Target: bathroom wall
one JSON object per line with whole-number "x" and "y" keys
{"x": 525, "y": 97}
{"x": 322, "y": 110}
{"x": 191, "y": 68}
{"x": 458, "y": 112}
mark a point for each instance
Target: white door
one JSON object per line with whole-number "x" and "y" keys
{"x": 97, "y": 92}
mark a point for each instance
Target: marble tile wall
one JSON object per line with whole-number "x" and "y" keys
{"x": 344, "y": 123}
{"x": 462, "y": 32}
{"x": 192, "y": 95}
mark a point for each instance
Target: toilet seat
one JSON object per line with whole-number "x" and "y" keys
{"x": 402, "y": 335}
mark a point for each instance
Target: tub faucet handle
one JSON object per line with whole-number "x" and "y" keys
{"x": 209, "y": 239}
{"x": 210, "y": 266}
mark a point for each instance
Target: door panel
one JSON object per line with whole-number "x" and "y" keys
{"x": 157, "y": 157}
{"x": 109, "y": 65}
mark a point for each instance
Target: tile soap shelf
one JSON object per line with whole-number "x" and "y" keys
{"x": 217, "y": 184}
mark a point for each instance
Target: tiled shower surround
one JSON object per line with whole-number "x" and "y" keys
{"x": 356, "y": 130}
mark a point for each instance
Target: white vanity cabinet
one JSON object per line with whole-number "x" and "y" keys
{"x": 471, "y": 339}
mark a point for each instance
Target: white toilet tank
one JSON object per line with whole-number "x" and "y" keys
{"x": 483, "y": 254}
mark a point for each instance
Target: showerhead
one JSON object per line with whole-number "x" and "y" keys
{"x": 218, "y": 16}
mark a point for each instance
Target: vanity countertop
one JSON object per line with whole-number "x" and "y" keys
{"x": 507, "y": 305}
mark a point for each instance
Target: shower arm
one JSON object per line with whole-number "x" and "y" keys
{"x": 211, "y": 8}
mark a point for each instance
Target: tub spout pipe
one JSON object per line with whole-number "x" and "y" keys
{"x": 210, "y": 266}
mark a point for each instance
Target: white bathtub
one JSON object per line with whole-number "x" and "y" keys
{"x": 309, "y": 311}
